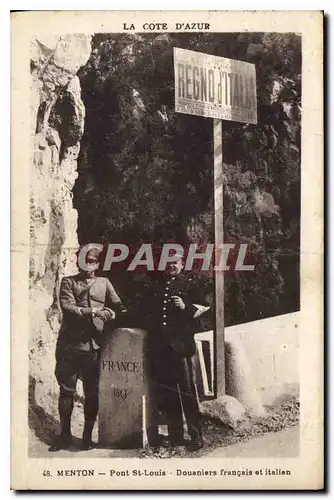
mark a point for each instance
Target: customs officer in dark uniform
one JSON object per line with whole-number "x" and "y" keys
{"x": 168, "y": 309}
{"x": 87, "y": 302}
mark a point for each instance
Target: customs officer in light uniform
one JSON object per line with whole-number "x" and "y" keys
{"x": 88, "y": 303}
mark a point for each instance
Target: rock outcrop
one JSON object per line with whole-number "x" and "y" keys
{"x": 57, "y": 125}
{"x": 227, "y": 410}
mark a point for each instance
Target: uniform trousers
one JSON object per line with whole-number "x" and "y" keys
{"x": 175, "y": 387}
{"x": 72, "y": 364}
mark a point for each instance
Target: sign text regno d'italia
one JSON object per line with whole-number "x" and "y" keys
{"x": 215, "y": 87}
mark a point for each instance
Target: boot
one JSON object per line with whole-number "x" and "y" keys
{"x": 62, "y": 442}
{"x": 91, "y": 406}
{"x": 196, "y": 444}
{"x": 65, "y": 408}
{"x": 87, "y": 442}
{"x": 197, "y": 441}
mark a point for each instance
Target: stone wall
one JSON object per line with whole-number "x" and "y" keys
{"x": 271, "y": 347}
{"x": 262, "y": 360}
{"x": 57, "y": 125}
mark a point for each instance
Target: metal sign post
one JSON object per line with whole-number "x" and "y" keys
{"x": 222, "y": 89}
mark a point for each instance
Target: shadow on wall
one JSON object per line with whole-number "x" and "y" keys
{"x": 43, "y": 424}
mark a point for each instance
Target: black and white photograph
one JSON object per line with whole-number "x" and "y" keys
{"x": 164, "y": 259}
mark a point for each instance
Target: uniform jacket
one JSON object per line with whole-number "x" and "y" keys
{"x": 79, "y": 330}
{"x": 167, "y": 324}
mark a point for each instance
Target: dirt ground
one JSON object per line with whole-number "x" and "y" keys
{"x": 281, "y": 415}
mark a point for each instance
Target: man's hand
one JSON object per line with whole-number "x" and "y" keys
{"x": 105, "y": 314}
{"x": 178, "y": 302}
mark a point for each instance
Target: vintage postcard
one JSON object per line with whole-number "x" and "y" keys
{"x": 167, "y": 250}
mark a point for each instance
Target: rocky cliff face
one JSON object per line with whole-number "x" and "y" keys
{"x": 57, "y": 124}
